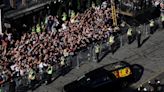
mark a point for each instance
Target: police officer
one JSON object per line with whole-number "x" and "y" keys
{"x": 97, "y": 51}
{"x": 152, "y": 25}
{"x": 129, "y": 34}
{"x": 111, "y": 43}
{"x": 49, "y": 73}
{"x": 62, "y": 65}
{"x": 33, "y": 29}
{"x": 32, "y": 77}
{"x": 139, "y": 38}
{"x": 72, "y": 14}
{"x": 38, "y": 29}
{"x": 64, "y": 16}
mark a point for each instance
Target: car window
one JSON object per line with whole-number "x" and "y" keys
{"x": 99, "y": 81}
{"x": 84, "y": 81}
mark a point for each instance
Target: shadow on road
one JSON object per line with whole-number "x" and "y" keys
{"x": 145, "y": 40}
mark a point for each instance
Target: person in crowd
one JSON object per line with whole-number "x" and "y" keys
{"x": 33, "y": 52}
{"x": 139, "y": 38}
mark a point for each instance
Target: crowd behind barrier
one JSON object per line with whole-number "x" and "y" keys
{"x": 83, "y": 56}
{"x": 27, "y": 62}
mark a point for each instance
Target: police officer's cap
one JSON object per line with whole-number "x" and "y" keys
{"x": 145, "y": 89}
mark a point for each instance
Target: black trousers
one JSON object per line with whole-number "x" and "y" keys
{"x": 97, "y": 57}
{"x": 129, "y": 39}
{"x": 139, "y": 40}
{"x": 112, "y": 48}
{"x": 151, "y": 30}
{"x": 33, "y": 82}
{"x": 49, "y": 77}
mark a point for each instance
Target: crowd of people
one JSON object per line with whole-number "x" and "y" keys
{"x": 49, "y": 45}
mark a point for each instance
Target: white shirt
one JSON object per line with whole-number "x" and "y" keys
{"x": 41, "y": 65}
{"x": 22, "y": 72}
{"x": 9, "y": 37}
{"x": 64, "y": 27}
{"x": 12, "y": 67}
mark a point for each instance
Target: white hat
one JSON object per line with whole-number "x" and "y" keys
{"x": 149, "y": 82}
{"x": 145, "y": 89}
{"x": 158, "y": 82}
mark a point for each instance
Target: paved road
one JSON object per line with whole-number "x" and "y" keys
{"x": 150, "y": 56}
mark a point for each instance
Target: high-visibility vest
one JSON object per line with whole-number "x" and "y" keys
{"x": 97, "y": 49}
{"x": 38, "y": 30}
{"x": 151, "y": 23}
{"x": 64, "y": 16}
{"x": 62, "y": 62}
{"x": 72, "y": 14}
{"x": 46, "y": 20}
{"x": 162, "y": 18}
{"x": 111, "y": 39}
{"x": 49, "y": 70}
{"x": 31, "y": 75}
{"x": 129, "y": 33}
{"x": 93, "y": 4}
{"x": 33, "y": 29}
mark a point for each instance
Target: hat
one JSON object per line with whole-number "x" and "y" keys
{"x": 145, "y": 89}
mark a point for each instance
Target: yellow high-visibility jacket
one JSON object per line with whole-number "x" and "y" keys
{"x": 129, "y": 32}
{"x": 111, "y": 39}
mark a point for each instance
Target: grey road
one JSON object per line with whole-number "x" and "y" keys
{"x": 150, "y": 56}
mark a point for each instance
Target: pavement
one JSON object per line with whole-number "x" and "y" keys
{"x": 150, "y": 56}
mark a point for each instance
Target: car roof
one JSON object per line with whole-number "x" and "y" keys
{"x": 116, "y": 65}
{"x": 106, "y": 69}
{"x": 96, "y": 73}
